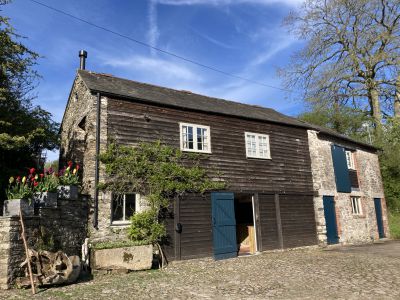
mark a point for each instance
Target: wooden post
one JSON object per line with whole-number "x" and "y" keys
{"x": 177, "y": 235}
{"x": 278, "y": 221}
{"x": 28, "y": 257}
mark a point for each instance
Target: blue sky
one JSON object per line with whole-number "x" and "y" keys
{"x": 242, "y": 37}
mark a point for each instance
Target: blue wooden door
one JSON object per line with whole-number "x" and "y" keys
{"x": 224, "y": 225}
{"x": 330, "y": 220}
{"x": 378, "y": 211}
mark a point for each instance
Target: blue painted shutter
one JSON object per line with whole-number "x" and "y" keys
{"x": 341, "y": 170}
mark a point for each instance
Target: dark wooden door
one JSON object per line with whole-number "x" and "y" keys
{"x": 378, "y": 211}
{"x": 330, "y": 220}
{"x": 224, "y": 225}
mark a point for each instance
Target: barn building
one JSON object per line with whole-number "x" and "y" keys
{"x": 284, "y": 176}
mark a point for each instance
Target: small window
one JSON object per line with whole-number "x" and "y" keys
{"x": 257, "y": 145}
{"x": 195, "y": 138}
{"x": 123, "y": 207}
{"x": 356, "y": 205}
{"x": 350, "y": 160}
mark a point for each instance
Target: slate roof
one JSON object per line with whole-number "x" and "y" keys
{"x": 119, "y": 87}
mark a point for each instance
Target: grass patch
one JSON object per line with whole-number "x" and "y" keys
{"x": 118, "y": 244}
{"x": 394, "y": 224}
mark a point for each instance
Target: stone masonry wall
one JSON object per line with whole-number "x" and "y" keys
{"x": 67, "y": 224}
{"x": 351, "y": 228}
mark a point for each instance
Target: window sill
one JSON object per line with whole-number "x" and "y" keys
{"x": 256, "y": 157}
{"x": 120, "y": 224}
{"x": 359, "y": 216}
{"x": 196, "y": 151}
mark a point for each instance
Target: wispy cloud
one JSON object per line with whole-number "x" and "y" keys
{"x": 229, "y": 2}
{"x": 153, "y": 33}
{"x": 154, "y": 67}
{"x": 212, "y": 40}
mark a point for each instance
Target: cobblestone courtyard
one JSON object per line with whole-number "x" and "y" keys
{"x": 348, "y": 273}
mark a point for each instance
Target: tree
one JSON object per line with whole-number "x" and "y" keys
{"x": 344, "y": 120}
{"x": 351, "y": 57}
{"x": 25, "y": 129}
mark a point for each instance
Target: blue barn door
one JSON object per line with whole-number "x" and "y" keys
{"x": 330, "y": 220}
{"x": 224, "y": 225}
{"x": 378, "y": 211}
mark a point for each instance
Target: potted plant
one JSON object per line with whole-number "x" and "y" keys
{"x": 69, "y": 182}
{"x": 46, "y": 190}
{"x": 19, "y": 197}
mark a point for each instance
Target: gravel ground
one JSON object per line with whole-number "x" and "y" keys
{"x": 297, "y": 274}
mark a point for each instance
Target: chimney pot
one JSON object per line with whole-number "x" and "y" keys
{"x": 82, "y": 61}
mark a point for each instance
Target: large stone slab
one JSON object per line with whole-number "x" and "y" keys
{"x": 129, "y": 258}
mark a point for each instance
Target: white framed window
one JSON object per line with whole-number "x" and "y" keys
{"x": 122, "y": 208}
{"x": 356, "y": 207}
{"x": 350, "y": 160}
{"x": 257, "y": 145}
{"x": 195, "y": 138}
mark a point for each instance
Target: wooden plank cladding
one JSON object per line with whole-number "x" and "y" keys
{"x": 298, "y": 220}
{"x": 288, "y": 170}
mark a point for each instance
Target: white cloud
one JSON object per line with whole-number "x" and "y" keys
{"x": 229, "y": 2}
{"x": 156, "y": 67}
{"x": 153, "y": 33}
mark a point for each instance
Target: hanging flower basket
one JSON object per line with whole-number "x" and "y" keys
{"x": 12, "y": 207}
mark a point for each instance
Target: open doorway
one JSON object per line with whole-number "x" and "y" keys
{"x": 245, "y": 225}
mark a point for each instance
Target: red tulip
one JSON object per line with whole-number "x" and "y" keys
{"x": 32, "y": 170}
{"x": 77, "y": 167}
{"x": 18, "y": 178}
{"x": 35, "y": 183}
{"x": 41, "y": 175}
{"x": 70, "y": 164}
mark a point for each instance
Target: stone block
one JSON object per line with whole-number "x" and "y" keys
{"x": 125, "y": 258}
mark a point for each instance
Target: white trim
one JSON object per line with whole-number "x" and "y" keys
{"x": 124, "y": 221}
{"x": 257, "y": 137}
{"x": 195, "y": 127}
{"x": 350, "y": 160}
{"x": 356, "y": 205}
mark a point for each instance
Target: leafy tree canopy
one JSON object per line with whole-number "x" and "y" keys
{"x": 25, "y": 129}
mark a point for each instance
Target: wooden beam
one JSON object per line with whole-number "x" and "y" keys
{"x": 257, "y": 221}
{"x": 278, "y": 221}
{"x": 177, "y": 244}
{"x": 28, "y": 257}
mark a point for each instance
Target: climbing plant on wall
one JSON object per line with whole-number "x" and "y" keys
{"x": 158, "y": 172}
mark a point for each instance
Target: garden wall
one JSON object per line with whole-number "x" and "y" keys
{"x": 67, "y": 224}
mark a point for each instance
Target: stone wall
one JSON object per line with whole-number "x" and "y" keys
{"x": 351, "y": 228}
{"x": 67, "y": 224}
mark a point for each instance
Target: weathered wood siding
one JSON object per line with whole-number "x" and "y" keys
{"x": 269, "y": 231}
{"x": 298, "y": 220}
{"x": 288, "y": 170}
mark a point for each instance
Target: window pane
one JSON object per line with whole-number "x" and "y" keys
{"x": 190, "y": 137}
{"x": 262, "y": 144}
{"x": 117, "y": 208}
{"x": 130, "y": 205}
{"x": 199, "y": 139}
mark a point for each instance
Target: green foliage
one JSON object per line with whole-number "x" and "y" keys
{"x": 390, "y": 162}
{"x": 19, "y": 188}
{"x": 45, "y": 240}
{"x": 158, "y": 172}
{"x": 344, "y": 120}
{"x": 394, "y": 224}
{"x": 145, "y": 227}
{"x": 47, "y": 183}
{"x": 25, "y": 129}
{"x": 69, "y": 175}
{"x": 117, "y": 244}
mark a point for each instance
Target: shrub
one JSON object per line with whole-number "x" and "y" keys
{"x": 145, "y": 227}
